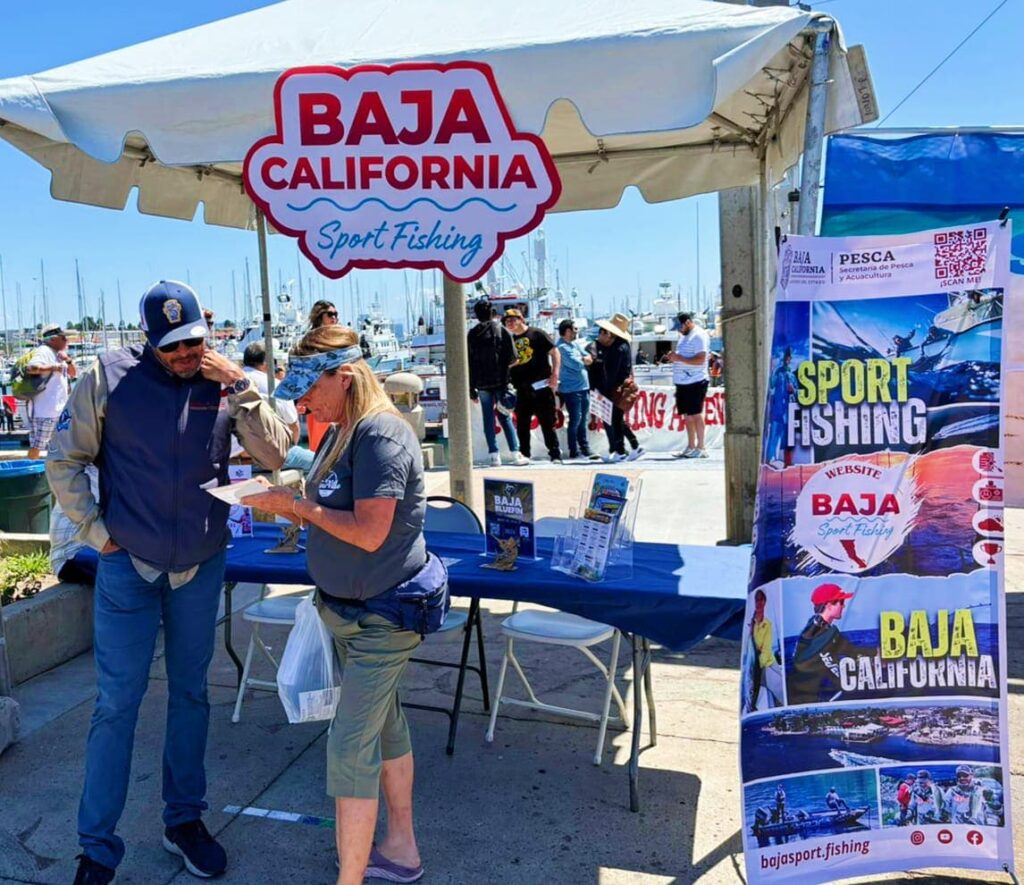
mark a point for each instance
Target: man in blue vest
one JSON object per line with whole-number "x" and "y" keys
{"x": 156, "y": 420}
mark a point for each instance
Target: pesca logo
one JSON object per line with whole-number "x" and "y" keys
{"x": 408, "y": 165}
{"x": 852, "y": 515}
{"x": 917, "y": 838}
{"x": 878, "y": 256}
{"x": 944, "y": 837}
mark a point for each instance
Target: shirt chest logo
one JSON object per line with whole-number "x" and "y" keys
{"x": 329, "y": 484}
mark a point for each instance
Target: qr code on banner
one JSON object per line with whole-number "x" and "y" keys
{"x": 960, "y": 253}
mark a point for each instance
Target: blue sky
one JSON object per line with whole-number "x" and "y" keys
{"x": 606, "y": 255}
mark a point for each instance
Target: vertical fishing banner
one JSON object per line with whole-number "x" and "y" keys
{"x": 873, "y": 702}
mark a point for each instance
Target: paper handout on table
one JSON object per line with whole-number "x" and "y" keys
{"x": 233, "y": 494}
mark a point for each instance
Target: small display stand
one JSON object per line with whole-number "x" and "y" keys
{"x": 598, "y": 541}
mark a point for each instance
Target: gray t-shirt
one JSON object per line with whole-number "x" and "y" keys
{"x": 383, "y": 460}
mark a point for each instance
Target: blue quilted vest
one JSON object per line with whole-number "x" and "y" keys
{"x": 163, "y": 438}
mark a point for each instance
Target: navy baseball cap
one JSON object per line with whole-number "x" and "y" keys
{"x": 171, "y": 312}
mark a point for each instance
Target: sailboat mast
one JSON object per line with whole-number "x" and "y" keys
{"x": 120, "y": 313}
{"x": 81, "y": 299}
{"x": 42, "y": 280}
{"x": 103, "y": 317}
{"x": 698, "y": 255}
{"x": 248, "y": 292}
{"x": 3, "y": 304}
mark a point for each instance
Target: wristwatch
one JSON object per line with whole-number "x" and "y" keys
{"x": 239, "y": 386}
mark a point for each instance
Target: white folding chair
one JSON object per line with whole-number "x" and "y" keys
{"x": 278, "y": 611}
{"x": 560, "y": 628}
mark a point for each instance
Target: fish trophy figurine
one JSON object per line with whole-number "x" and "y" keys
{"x": 506, "y": 558}
{"x": 289, "y": 541}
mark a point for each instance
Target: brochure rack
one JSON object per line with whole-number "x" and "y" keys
{"x": 578, "y": 550}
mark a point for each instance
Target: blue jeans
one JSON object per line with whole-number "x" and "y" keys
{"x": 298, "y": 458}
{"x": 578, "y": 406}
{"x": 128, "y": 611}
{"x": 487, "y": 400}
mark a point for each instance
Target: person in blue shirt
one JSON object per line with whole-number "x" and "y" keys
{"x": 574, "y": 389}
{"x": 783, "y": 391}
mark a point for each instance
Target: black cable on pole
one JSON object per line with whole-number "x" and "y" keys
{"x": 953, "y": 52}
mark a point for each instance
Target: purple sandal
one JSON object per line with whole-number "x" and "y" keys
{"x": 380, "y": 867}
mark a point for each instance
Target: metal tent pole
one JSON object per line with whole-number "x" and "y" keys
{"x": 460, "y": 437}
{"x": 268, "y": 331}
{"x": 814, "y": 129}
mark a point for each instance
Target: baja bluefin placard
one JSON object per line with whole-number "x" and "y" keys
{"x": 508, "y": 514}
{"x": 873, "y": 702}
{"x": 408, "y": 165}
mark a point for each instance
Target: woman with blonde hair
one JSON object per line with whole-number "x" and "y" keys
{"x": 364, "y": 508}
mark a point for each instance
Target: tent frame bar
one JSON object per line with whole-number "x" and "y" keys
{"x": 814, "y": 130}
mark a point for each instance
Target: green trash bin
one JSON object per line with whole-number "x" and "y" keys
{"x": 24, "y": 497}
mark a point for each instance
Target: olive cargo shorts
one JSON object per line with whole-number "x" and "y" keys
{"x": 369, "y": 726}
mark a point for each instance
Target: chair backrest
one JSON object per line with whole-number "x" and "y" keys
{"x": 446, "y": 514}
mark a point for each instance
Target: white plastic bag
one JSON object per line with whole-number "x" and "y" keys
{"x": 307, "y": 680}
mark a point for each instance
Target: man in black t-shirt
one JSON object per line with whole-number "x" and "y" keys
{"x": 535, "y": 378}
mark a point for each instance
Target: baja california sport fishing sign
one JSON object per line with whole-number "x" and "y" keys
{"x": 408, "y": 165}
{"x": 874, "y": 733}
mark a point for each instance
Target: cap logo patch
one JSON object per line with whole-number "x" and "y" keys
{"x": 172, "y": 310}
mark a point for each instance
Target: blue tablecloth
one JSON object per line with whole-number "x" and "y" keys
{"x": 675, "y": 595}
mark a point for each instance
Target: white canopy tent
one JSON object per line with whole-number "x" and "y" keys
{"x": 675, "y": 97}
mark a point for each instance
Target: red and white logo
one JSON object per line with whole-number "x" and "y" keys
{"x": 408, "y": 165}
{"x": 988, "y": 492}
{"x": 988, "y": 523}
{"x": 852, "y": 514}
{"x": 917, "y": 838}
{"x": 988, "y": 462}
{"x": 975, "y": 838}
{"x": 989, "y": 553}
{"x": 944, "y": 837}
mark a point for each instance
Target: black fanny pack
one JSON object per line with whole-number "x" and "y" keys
{"x": 419, "y": 604}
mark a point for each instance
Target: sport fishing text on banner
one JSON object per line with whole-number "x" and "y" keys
{"x": 874, "y": 731}
{"x": 408, "y": 165}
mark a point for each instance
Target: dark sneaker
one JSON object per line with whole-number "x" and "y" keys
{"x": 202, "y": 854}
{"x": 92, "y": 873}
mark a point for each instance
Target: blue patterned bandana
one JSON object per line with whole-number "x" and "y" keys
{"x": 303, "y": 371}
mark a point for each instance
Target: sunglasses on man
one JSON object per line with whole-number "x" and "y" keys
{"x": 189, "y": 343}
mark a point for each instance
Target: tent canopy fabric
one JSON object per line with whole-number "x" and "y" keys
{"x": 675, "y": 97}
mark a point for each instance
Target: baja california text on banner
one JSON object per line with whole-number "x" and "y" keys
{"x": 874, "y": 730}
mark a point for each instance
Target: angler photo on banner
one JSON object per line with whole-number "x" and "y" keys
{"x": 874, "y": 644}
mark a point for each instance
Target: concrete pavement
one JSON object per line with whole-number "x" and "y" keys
{"x": 529, "y": 808}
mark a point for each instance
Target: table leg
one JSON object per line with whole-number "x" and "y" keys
{"x": 229, "y": 587}
{"x": 460, "y": 684}
{"x": 638, "y": 713}
{"x": 481, "y": 659}
{"x": 649, "y": 691}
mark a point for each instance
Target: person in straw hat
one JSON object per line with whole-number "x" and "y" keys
{"x": 616, "y": 366}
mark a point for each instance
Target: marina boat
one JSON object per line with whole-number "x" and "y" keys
{"x": 378, "y": 340}
{"x": 967, "y": 310}
{"x": 287, "y": 327}
{"x": 804, "y": 824}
